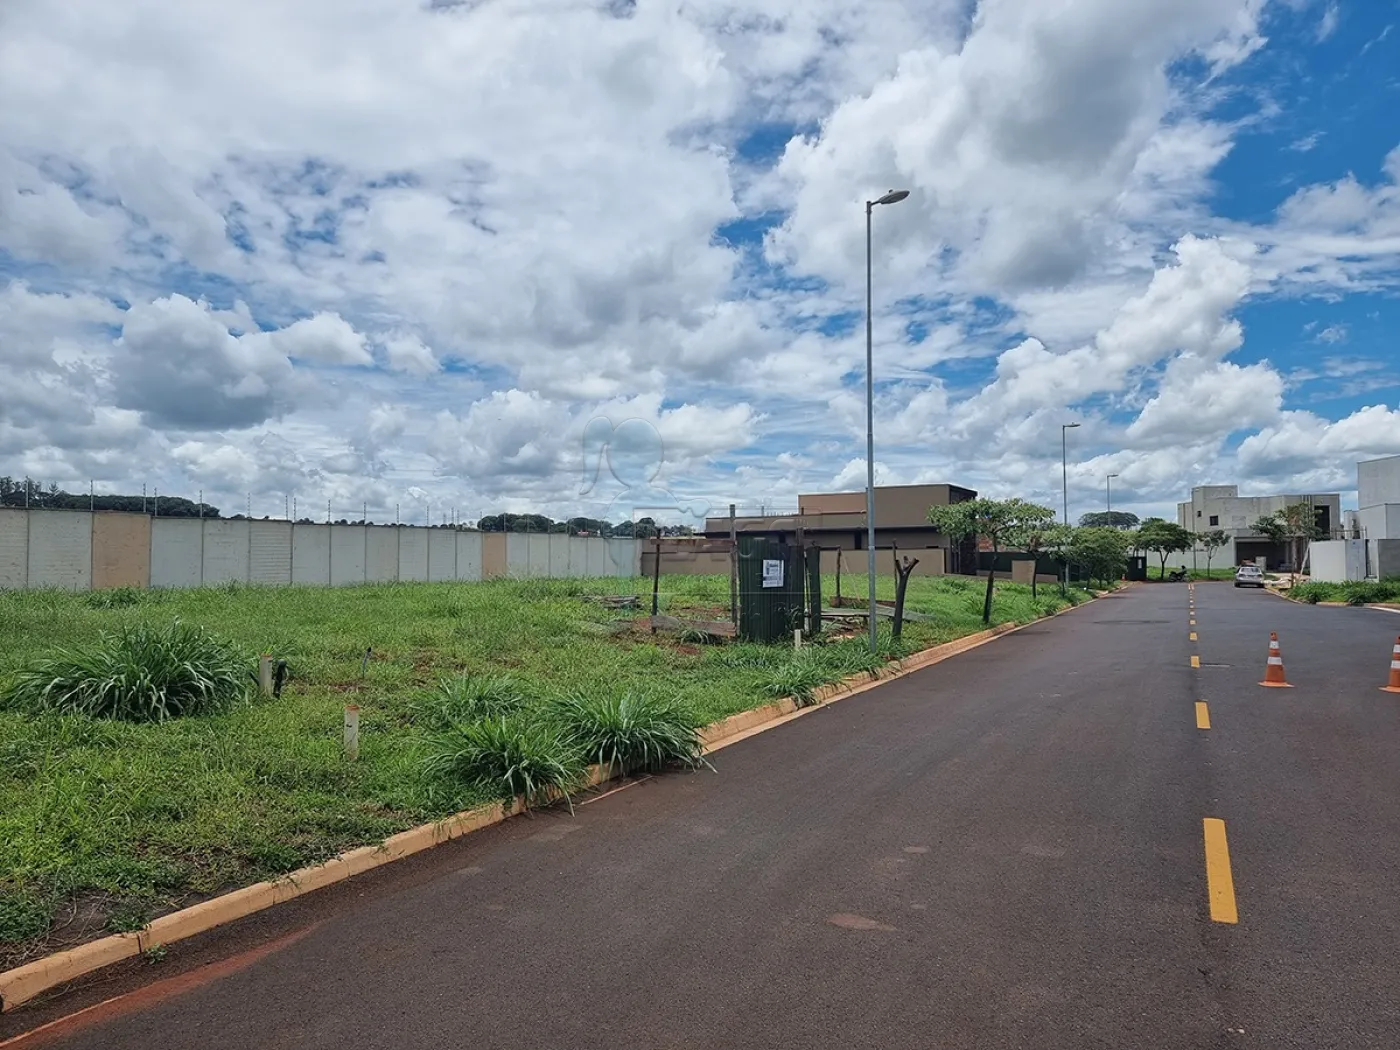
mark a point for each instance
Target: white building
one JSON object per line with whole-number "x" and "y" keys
{"x": 1371, "y": 547}
{"x": 1222, "y": 507}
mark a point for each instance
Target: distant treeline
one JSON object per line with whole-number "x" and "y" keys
{"x": 27, "y": 492}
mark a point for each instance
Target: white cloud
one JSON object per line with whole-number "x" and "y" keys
{"x": 511, "y": 219}
{"x": 408, "y": 353}
{"x": 1328, "y": 24}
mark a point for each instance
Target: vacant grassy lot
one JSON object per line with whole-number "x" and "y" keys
{"x": 104, "y": 824}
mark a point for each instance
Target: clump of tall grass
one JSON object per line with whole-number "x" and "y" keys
{"x": 798, "y": 677}
{"x": 631, "y": 731}
{"x": 142, "y": 673}
{"x": 470, "y": 698}
{"x": 508, "y": 756}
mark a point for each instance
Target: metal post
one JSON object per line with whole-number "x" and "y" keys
{"x": 92, "y": 489}
{"x": 1108, "y": 489}
{"x": 733, "y": 571}
{"x": 1064, "y": 482}
{"x": 870, "y": 431}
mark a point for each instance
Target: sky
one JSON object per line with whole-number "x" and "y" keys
{"x": 588, "y": 256}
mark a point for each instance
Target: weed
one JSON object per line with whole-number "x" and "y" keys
{"x": 119, "y": 598}
{"x": 156, "y": 953}
{"x": 700, "y": 636}
{"x": 142, "y": 674}
{"x": 630, "y": 731}
{"x": 23, "y": 915}
{"x": 128, "y": 917}
{"x": 502, "y": 758}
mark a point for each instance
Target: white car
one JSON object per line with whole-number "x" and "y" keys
{"x": 1249, "y": 576}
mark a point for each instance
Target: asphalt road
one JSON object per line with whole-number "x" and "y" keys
{"x": 1002, "y": 851}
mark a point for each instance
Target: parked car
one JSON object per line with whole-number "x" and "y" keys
{"x": 1249, "y": 576}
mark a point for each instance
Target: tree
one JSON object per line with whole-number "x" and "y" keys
{"x": 1109, "y": 519}
{"x": 1163, "y": 538}
{"x": 1295, "y": 525}
{"x": 1211, "y": 542}
{"x": 1058, "y": 540}
{"x": 1037, "y": 538}
{"x": 997, "y": 520}
{"x": 1272, "y": 527}
{"x": 1101, "y": 552}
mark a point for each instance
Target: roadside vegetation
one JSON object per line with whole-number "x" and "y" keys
{"x": 1356, "y": 592}
{"x": 140, "y": 771}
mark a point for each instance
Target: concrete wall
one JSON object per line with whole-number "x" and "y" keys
{"x": 78, "y": 550}
{"x": 269, "y": 552}
{"x": 1226, "y": 557}
{"x": 60, "y": 551}
{"x": 854, "y": 563}
{"x": 14, "y": 549}
{"x": 1377, "y": 482}
{"x": 413, "y": 554}
{"x": 179, "y": 561}
{"x": 349, "y": 550}
{"x": 311, "y": 555}
{"x": 1337, "y": 561}
{"x": 1385, "y": 558}
{"x": 121, "y": 550}
{"x": 226, "y": 552}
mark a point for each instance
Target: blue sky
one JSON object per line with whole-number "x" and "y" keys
{"x": 388, "y": 255}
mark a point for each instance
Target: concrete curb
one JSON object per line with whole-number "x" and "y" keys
{"x": 23, "y": 983}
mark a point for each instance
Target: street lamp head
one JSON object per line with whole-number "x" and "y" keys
{"x": 1114, "y": 475}
{"x": 1069, "y": 426}
{"x": 893, "y": 197}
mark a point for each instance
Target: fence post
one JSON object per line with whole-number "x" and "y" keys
{"x": 352, "y": 731}
{"x": 733, "y": 570}
{"x": 265, "y": 674}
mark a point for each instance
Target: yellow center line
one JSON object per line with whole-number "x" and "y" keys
{"x": 1220, "y": 884}
{"x": 1195, "y": 661}
{"x": 1193, "y": 636}
{"x": 1202, "y": 715}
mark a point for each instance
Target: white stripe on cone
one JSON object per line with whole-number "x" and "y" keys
{"x": 1276, "y": 660}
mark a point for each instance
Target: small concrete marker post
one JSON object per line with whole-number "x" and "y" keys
{"x": 265, "y": 674}
{"x": 352, "y": 732}
{"x": 1273, "y": 673}
{"x": 1394, "y": 685}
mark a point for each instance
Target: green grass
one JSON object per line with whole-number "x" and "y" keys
{"x": 1356, "y": 592}
{"x": 110, "y": 819}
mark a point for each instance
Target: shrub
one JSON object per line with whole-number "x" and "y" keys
{"x": 506, "y": 757}
{"x": 632, "y": 732}
{"x": 141, "y": 674}
{"x": 470, "y": 698}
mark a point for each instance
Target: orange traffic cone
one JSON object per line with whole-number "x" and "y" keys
{"x": 1273, "y": 674}
{"x": 1394, "y": 686}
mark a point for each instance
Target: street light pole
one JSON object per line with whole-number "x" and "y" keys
{"x": 892, "y": 197}
{"x": 1065, "y": 428}
{"x": 1108, "y": 488}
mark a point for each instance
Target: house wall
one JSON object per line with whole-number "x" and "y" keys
{"x": 1235, "y": 514}
{"x": 1378, "y": 482}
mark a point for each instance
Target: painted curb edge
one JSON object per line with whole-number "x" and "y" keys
{"x": 23, "y": 983}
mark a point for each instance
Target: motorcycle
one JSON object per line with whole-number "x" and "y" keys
{"x": 1177, "y": 575}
